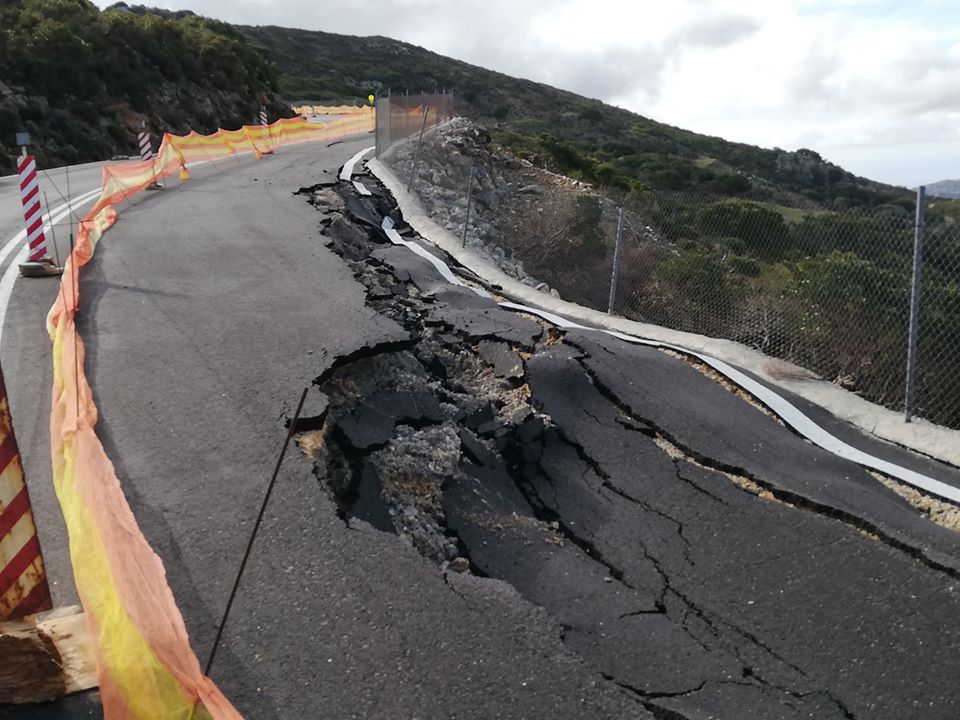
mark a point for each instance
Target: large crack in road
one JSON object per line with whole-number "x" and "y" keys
{"x": 691, "y": 549}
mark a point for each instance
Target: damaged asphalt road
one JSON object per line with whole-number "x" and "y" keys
{"x": 689, "y": 548}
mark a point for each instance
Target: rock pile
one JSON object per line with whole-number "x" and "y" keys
{"x": 504, "y": 188}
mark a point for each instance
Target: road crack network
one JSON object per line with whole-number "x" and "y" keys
{"x": 493, "y": 447}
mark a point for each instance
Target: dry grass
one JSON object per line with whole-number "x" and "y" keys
{"x": 744, "y": 483}
{"x": 312, "y": 444}
{"x": 554, "y": 337}
{"x": 940, "y": 512}
{"x": 780, "y": 370}
{"x": 516, "y": 523}
{"x": 725, "y": 382}
{"x": 422, "y": 491}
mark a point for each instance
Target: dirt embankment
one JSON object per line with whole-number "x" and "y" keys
{"x": 522, "y": 218}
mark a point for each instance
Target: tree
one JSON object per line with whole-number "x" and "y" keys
{"x": 587, "y": 214}
{"x": 761, "y": 229}
{"x": 851, "y": 316}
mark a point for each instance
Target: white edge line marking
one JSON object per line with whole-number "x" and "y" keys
{"x": 779, "y": 405}
{"x": 21, "y": 236}
{"x": 13, "y": 271}
{"x": 440, "y": 265}
{"x": 347, "y": 171}
{"x": 361, "y": 188}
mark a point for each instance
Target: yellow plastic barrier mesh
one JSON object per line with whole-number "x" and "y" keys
{"x": 334, "y": 110}
{"x": 147, "y": 669}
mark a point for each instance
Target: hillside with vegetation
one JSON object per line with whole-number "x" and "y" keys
{"x": 783, "y": 251}
{"x": 566, "y": 132}
{"x": 81, "y": 81}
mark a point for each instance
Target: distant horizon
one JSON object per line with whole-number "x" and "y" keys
{"x": 856, "y": 81}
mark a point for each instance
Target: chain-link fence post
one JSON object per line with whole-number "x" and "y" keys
{"x": 466, "y": 219}
{"x": 915, "y": 304}
{"x": 416, "y": 153}
{"x": 616, "y": 262}
{"x": 381, "y": 119}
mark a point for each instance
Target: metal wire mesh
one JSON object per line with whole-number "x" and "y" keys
{"x": 402, "y": 116}
{"x": 828, "y": 289}
{"x": 938, "y": 338}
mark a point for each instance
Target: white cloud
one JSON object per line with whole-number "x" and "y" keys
{"x": 866, "y": 82}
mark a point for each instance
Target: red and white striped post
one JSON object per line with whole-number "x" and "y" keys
{"x": 32, "y": 212}
{"x": 263, "y": 115}
{"x": 146, "y": 149}
{"x": 23, "y": 579}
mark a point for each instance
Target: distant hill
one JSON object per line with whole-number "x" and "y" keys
{"x": 944, "y": 189}
{"x": 570, "y": 133}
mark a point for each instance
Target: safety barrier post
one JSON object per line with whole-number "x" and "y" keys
{"x": 23, "y": 580}
{"x": 32, "y": 211}
{"x": 915, "y": 305}
{"x": 143, "y": 140}
{"x": 616, "y": 262}
{"x": 145, "y": 144}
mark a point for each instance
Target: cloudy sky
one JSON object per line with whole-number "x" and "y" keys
{"x": 873, "y": 85}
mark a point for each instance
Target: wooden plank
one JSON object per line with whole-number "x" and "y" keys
{"x": 46, "y": 657}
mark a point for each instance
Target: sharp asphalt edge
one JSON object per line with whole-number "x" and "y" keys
{"x": 779, "y": 405}
{"x": 347, "y": 171}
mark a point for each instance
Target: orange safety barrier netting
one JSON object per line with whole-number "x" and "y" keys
{"x": 145, "y": 664}
{"x": 333, "y": 110}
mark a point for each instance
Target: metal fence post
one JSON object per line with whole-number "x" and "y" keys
{"x": 416, "y": 153}
{"x": 616, "y": 262}
{"x": 915, "y": 305}
{"x": 466, "y": 220}
{"x": 387, "y": 121}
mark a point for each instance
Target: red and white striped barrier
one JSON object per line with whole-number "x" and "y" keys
{"x": 23, "y": 579}
{"x": 32, "y": 212}
{"x": 146, "y": 150}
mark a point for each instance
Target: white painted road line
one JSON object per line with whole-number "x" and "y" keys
{"x": 439, "y": 264}
{"x": 347, "y": 171}
{"x": 13, "y": 270}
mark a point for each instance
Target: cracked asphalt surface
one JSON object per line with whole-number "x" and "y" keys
{"x": 489, "y": 518}
{"x": 692, "y": 550}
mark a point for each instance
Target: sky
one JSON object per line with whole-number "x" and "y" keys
{"x": 872, "y": 85}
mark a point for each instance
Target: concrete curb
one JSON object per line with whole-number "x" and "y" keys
{"x": 924, "y": 437}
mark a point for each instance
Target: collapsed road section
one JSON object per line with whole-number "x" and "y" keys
{"x": 690, "y": 548}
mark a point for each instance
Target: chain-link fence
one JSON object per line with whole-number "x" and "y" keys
{"x": 826, "y": 289}
{"x": 402, "y": 116}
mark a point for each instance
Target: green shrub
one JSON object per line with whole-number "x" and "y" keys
{"x": 762, "y": 230}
